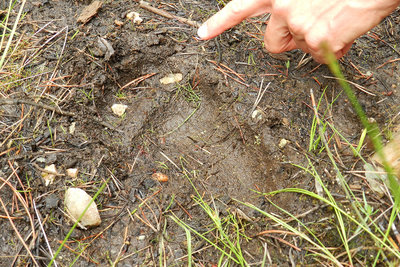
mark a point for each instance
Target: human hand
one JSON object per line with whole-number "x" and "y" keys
{"x": 304, "y": 24}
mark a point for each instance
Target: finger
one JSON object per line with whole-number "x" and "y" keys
{"x": 277, "y": 38}
{"x": 320, "y": 57}
{"x": 232, "y": 14}
{"x": 343, "y": 51}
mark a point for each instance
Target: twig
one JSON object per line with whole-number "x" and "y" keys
{"x": 387, "y": 62}
{"x": 76, "y": 252}
{"x": 233, "y": 78}
{"x": 21, "y": 199}
{"x": 173, "y": 163}
{"x": 138, "y": 80}
{"x": 225, "y": 70}
{"x": 43, "y": 232}
{"x": 260, "y": 95}
{"x": 18, "y": 234}
{"x": 15, "y": 129}
{"x": 188, "y": 214}
{"x": 27, "y": 102}
{"x": 376, "y": 37}
{"x": 47, "y": 171}
{"x": 240, "y": 130}
{"x": 359, "y": 87}
{"x": 284, "y": 242}
{"x": 166, "y": 14}
{"x": 123, "y": 248}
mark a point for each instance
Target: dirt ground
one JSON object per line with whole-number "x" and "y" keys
{"x": 206, "y": 128}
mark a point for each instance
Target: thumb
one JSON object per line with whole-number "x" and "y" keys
{"x": 277, "y": 38}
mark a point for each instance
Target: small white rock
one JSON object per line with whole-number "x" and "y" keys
{"x": 76, "y": 201}
{"x": 119, "y": 109}
{"x": 257, "y": 115}
{"x": 137, "y": 20}
{"x": 172, "y": 78}
{"x": 130, "y": 15}
{"x": 72, "y": 128}
{"x": 41, "y": 160}
{"x": 283, "y": 143}
{"x": 50, "y": 175}
{"x": 72, "y": 172}
{"x": 135, "y": 17}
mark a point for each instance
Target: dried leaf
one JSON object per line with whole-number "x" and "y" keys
{"x": 375, "y": 178}
{"x": 89, "y": 12}
{"x": 392, "y": 154}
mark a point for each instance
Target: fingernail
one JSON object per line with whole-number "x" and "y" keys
{"x": 202, "y": 31}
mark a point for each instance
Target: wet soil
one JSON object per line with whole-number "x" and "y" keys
{"x": 203, "y": 133}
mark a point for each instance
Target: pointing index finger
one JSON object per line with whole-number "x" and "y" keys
{"x": 232, "y": 14}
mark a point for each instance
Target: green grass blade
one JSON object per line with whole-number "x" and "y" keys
{"x": 326, "y": 253}
{"x": 372, "y": 128}
{"x": 181, "y": 223}
{"x": 77, "y": 221}
{"x": 343, "y": 212}
{"x": 14, "y": 29}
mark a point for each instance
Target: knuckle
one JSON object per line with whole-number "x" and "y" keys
{"x": 313, "y": 44}
{"x": 236, "y": 8}
{"x": 296, "y": 26}
{"x": 314, "y": 40}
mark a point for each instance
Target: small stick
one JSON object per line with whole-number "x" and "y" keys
{"x": 27, "y": 102}
{"x": 166, "y": 14}
{"x": 47, "y": 171}
{"x": 43, "y": 232}
{"x": 18, "y": 234}
{"x": 233, "y": 78}
{"x": 229, "y": 69}
{"x": 138, "y": 80}
{"x": 389, "y": 61}
{"x": 260, "y": 95}
{"x": 359, "y": 87}
{"x": 227, "y": 75}
{"x": 240, "y": 130}
{"x": 188, "y": 214}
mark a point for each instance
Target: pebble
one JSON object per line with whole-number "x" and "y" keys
{"x": 49, "y": 177}
{"x": 119, "y": 109}
{"x": 118, "y": 22}
{"x": 160, "y": 177}
{"x": 76, "y": 201}
{"x": 172, "y": 78}
{"x": 51, "y": 201}
{"x": 257, "y": 115}
{"x": 72, "y": 128}
{"x": 283, "y": 143}
{"x": 72, "y": 172}
{"x": 285, "y": 121}
{"x": 135, "y": 17}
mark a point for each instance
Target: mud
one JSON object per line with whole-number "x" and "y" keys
{"x": 202, "y": 127}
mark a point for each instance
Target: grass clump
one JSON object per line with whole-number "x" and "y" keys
{"x": 360, "y": 224}
{"x": 224, "y": 234}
